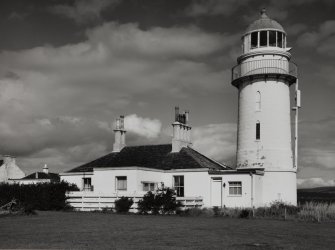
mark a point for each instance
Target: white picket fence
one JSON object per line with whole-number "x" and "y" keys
{"x": 90, "y": 201}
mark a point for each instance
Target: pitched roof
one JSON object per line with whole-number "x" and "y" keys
{"x": 41, "y": 175}
{"x": 151, "y": 156}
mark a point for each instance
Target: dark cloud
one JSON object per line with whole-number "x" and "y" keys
{"x": 322, "y": 39}
{"x": 83, "y": 11}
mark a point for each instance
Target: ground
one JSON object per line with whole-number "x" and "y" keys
{"x": 109, "y": 231}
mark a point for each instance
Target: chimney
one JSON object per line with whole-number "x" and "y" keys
{"x": 9, "y": 160}
{"x": 45, "y": 169}
{"x": 36, "y": 175}
{"x": 9, "y": 169}
{"x": 120, "y": 135}
{"x": 181, "y": 131}
{"x": 176, "y": 110}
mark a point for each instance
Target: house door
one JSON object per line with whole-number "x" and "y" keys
{"x": 216, "y": 192}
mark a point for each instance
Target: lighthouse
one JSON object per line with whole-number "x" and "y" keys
{"x": 263, "y": 76}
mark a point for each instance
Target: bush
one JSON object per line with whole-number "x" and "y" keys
{"x": 42, "y": 196}
{"x": 163, "y": 201}
{"x": 245, "y": 213}
{"x": 123, "y": 204}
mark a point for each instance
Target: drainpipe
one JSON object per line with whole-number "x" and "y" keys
{"x": 252, "y": 191}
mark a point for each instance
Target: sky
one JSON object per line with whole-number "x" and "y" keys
{"x": 68, "y": 68}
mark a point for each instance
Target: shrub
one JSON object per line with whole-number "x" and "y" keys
{"x": 42, "y": 196}
{"x": 163, "y": 201}
{"x": 123, "y": 204}
{"x": 195, "y": 212}
{"x": 245, "y": 213}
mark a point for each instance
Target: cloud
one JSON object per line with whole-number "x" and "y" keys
{"x": 83, "y": 11}
{"x": 317, "y": 152}
{"x": 214, "y": 7}
{"x": 278, "y": 9}
{"x": 62, "y": 100}
{"x": 296, "y": 29}
{"x": 146, "y": 127}
{"x": 322, "y": 39}
{"x": 319, "y": 158}
{"x": 16, "y": 16}
{"x": 314, "y": 182}
{"x": 217, "y": 141}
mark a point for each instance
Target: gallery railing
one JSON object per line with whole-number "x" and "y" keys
{"x": 265, "y": 66}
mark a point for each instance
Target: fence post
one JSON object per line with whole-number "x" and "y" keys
{"x": 285, "y": 213}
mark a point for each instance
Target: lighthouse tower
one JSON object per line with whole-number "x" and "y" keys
{"x": 263, "y": 77}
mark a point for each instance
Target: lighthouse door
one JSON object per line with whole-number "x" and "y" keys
{"x": 216, "y": 192}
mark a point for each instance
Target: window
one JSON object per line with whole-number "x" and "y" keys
{"x": 179, "y": 185}
{"x": 263, "y": 40}
{"x": 279, "y": 39}
{"x": 254, "y": 39}
{"x": 121, "y": 183}
{"x": 148, "y": 186}
{"x": 87, "y": 184}
{"x": 258, "y": 131}
{"x": 272, "y": 38}
{"x": 235, "y": 188}
{"x": 258, "y": 101}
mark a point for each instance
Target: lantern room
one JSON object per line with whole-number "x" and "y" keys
{"x": 264, "y": 33}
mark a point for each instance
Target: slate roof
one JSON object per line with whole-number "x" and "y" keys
{"x": 151, "y": 156}
{"x": 42, "y": 175}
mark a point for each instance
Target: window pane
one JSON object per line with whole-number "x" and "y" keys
{"x": 258, "y": 131}
{"x": 121, "y": 183}
{"x": 272, "y": 38}
{"x": 263, "y": 38}
{"x": 254, "y": 38}
{"x": 279, "y": 39}
{"x": 235, "y": 188}
{"x": 179, "y": 185}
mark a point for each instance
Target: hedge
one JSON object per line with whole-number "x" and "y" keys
{"x": 42, "y": 196}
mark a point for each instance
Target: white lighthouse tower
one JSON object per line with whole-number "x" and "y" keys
{"x": 263, "y": 77}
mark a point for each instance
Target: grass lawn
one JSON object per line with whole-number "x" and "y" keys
{"x": 108, "y": 231}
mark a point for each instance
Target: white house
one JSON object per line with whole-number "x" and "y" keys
{"x": 38, "y": 177}
{"x": 264, "y": 171}
{"x": 9, "y": 169}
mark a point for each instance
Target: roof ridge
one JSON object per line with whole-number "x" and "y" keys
{"x": 209, "y": 159}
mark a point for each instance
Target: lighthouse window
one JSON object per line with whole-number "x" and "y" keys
{"x": 254, "y": 38}
{"x": 258, "y": 131}
{"x": 280, "y": 39}
{"x": 263, "y": 38}
{"x": 272, "y": 38}
{"x": 258, "y": 101}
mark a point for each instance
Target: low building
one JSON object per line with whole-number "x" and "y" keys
{"x": 133, "y": 170}
{"x": 38, "y": 177}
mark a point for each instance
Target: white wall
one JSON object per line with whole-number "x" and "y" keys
{"x": 104, "y": 180}
{"x": 75, "y": 178}
{"x": 279, "y": 186}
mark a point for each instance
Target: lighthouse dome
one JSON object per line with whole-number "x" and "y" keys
{"x": 264, "y": 23}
